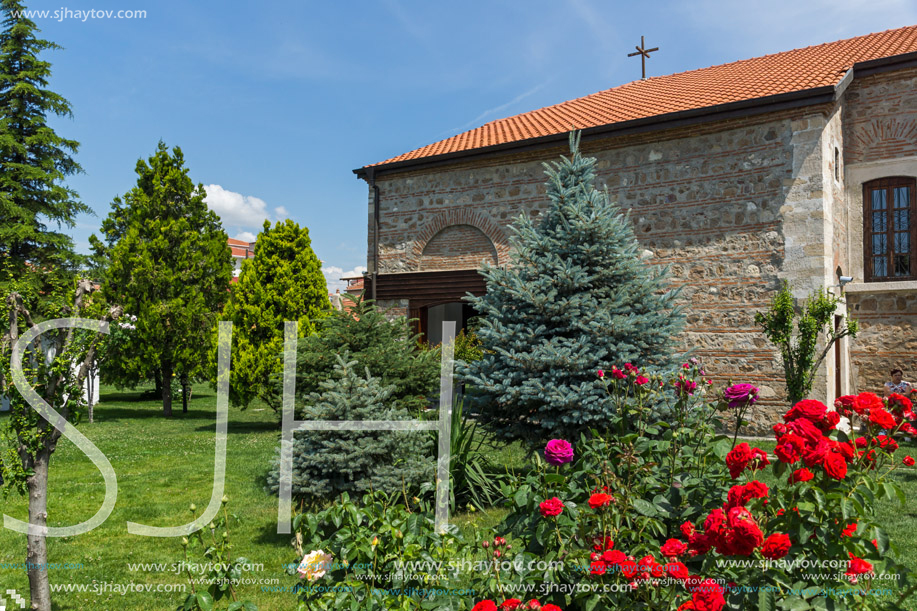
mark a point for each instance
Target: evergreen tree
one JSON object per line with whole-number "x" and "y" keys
{"x": 283, "y": 282}
{"x": 576, "y": 298}
{"x": 34, "y": 160}
{"x": 171, "y": 267}
{"x": 388, "y": 348}
{"x": 326, "y": 463}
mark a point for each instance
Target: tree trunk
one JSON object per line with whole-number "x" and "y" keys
{"x": 90, "y": 387}
{"x": 167, "y": 390}
{"x": 157, "y": 379}
{"x": 184, "y": 393}
{"x": 37, "y": 549}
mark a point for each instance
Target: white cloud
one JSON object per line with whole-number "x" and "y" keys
{"x": 246, "y": 236}
{"x": 333, "y": 275}
{"x": 241, "y": 212}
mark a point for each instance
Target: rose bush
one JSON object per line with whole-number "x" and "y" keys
{"x": 662, "y": 514}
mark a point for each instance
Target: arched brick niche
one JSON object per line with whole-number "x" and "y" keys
{"x": 438, "y": 244}
{"x": 457, "y": 247}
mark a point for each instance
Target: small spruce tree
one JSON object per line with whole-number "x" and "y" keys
{"x": 575, "y": 298}
{"x": 327, "y": 463}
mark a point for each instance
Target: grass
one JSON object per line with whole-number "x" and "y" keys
{"x": 163, "y": 465}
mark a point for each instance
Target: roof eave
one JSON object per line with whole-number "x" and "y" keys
{"x": 708, "y": 114}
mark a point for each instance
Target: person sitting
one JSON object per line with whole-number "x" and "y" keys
{"x": 897, "y": 384}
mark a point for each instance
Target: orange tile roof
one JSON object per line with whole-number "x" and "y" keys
{"x": 779, "y": 73}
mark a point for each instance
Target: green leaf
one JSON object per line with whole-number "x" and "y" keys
{"x": 204, "y": 601}
{"x": 767, "y": 601}
{"x": 645, "y": 508}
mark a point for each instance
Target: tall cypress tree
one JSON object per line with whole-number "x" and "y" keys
{"x": 34, "y": 160}
{"x": 575, "y": 298}
{"x": 283, "y": 282}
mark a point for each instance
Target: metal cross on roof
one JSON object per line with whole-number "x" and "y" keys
{"x": 644, "y": 53}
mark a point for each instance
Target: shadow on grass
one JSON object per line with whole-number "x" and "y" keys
{"x": 107, "y": 413}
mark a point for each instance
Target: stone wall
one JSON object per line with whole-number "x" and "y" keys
{"x": 880, "y": 132}
{"x": 734, "y": 208}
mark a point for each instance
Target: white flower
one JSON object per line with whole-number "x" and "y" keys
{"x": 314, "y": 565}
{"x": 133, "y": 318}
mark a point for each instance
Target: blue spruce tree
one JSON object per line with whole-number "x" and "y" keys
{"x": 575, "y": 298}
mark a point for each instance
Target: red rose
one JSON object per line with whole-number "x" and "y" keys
{"x": 551, "y": 507}
{"x": 600, "y": 500}
{"x": 759, "y": 459}
{"x": 789, "y": 448}
{"x": 867, "y": 401}
{"x": 848, "y": 532}
{"x": 687, "y": 606}
{"x": 714, "y": 521}
{"x": 815, "y": 455}
{"x": 779, "y": 429}
{"x": 687, "y": 529}
{"x": 613, "y": 557}
{"x": 846, "y": 450}
{"x": 907, "y": 460}
{"x": 739, "y": 495}
{"x": 677, "y": 570}
{"x": 887, "y": 443}
{"x": 855, "y": 567}
{"x": 805, "y": 429}
{"x": 901, "y": 406}
{"x": 861, "y": 442}
{"x": 743, "y": 534}
{"x": 776, "y": 546}
{"x": 533, "y": 604}
{"x": 801, "y": 475}
{"x": 641, "y": 380}
{"x": 845, "y": 404}
{"x": 881, "y": 418}
{"x": 550, "y": 607}
{"x": 708, "y": 596}
{"x": 813, "y": 411}
{"x": 649, "y": 564}
{"x": 830, "y": 422}
{"x": 511, "y": 603}
{"x": 738, "y": 458}
{"x": 597, "y": 567}
{"x": 699, "y": 544}
{"x": 603, "y": 543}
{"x": 835, "y": 466}
{"x": 673, "y": 548}
{"x": 628, "y": 568}
{"x": 485, "y": 605}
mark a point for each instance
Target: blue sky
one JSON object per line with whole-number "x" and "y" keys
{"x": 275, "y": 103}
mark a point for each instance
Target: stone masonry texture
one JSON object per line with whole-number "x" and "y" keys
{"x": 733, "y": 208}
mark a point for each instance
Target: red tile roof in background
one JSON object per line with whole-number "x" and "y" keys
{"x": 779, "y": 73}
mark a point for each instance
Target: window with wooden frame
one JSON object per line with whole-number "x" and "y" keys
{"x": 890, "y": 229}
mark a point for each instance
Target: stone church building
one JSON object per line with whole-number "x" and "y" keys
{"x": 797, "y": 166}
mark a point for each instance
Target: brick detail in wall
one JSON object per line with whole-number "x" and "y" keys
{"x": 460, "y": 216}
{"x": 457, "y": 247}
{"x": 881, "y": 117}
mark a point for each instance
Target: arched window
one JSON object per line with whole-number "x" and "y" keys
{"x": 890, "y": 215}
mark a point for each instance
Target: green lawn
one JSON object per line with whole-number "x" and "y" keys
{"x": 162, "y": 466}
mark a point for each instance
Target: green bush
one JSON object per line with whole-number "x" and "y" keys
{"x": 327, "y": 463}
{"x": 388, "y": 348}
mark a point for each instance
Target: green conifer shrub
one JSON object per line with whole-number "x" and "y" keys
{"x": 575, "y": 297}
{"x": 327, "y": 463}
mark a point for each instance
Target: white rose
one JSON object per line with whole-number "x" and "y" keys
{"x": 314, "y": 565}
